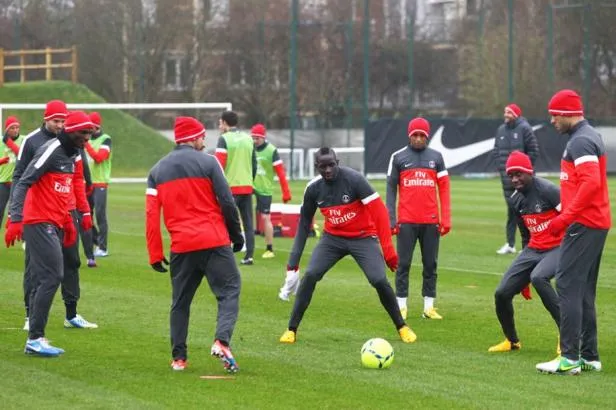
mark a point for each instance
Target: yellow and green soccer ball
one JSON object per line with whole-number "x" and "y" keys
{"x": 377, "y": 354}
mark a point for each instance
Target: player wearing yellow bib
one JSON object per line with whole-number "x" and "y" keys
{"x": 9, "y": 148}
{"x": 99, "y": 158}
{"x": 236, "y": 153}
{"x": 268, "y": 162}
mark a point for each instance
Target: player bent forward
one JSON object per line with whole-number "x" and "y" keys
{"x": 537, "y": 202}
{"x": 355, "y": 221}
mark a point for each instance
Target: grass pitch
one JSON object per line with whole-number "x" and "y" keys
{"x": 125, "y": 363}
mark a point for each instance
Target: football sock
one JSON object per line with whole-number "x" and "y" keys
{"x": 270, "y": 248}
{"x": 428, "y": 303}
{"x": 71, "y": 310}
{"x": 401, "y": 302}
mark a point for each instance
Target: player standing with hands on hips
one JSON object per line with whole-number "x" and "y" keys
{"x": 585, "y": 221}
{"x": 355, "y": 224}
{"x": 202, "y": 219}
{"x": 419, "y": 174}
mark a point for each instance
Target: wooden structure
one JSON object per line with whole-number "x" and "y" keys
{"x": 48, "y": 66}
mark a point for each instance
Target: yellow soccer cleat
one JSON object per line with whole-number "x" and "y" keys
{"x": 404, "y": 312}
{"x": 407, "y": 335}
{"x": 288, "y": 337}
{"x": 431, "y": 314}
{"x": 268, "y": 255}
{"x": 505, "y": 346}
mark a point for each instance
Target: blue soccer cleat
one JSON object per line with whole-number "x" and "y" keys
{"x": 41, "y": 347}
{"x": 224, "y": 353}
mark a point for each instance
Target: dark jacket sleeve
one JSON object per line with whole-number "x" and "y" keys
{"x": 393, "y": 177}
{"x": 226, "y": 202}
{"x": 254, "y": 163}
{"x": 531, "y": 147}
{"x": 308, "y": 209}
{"x": 87, "y": 176}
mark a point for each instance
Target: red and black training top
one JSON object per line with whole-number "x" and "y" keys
{"x": 44, "y": 191}
{"x": 350, "y": 206}
{"x": 537, "y": 206}
{"x": 197, "y": 204}
{"x": 422, "y": 180}
{"x": 583, "y": 179}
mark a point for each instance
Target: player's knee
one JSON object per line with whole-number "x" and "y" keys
{"x": 501, "y": 294}
{"x": 379, "y": 283}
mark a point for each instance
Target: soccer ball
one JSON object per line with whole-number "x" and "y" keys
{"x": 377, "y": 354}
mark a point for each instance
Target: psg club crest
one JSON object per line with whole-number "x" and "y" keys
{"x": 431, "y": 164}
{"x": 515, "y": 135}
{"x": 346, "y": 199}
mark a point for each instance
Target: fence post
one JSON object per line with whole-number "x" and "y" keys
{"x": 22, "y": 62}
{"x": 1, "y": 67}
{"x": 74, "y": 66}
{"x": 47, "y": 64}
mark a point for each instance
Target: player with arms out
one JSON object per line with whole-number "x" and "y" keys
{"x": 201, "y": 217}
{"x": 537, "y": 202}
{"x": 355, "y": 222}
{"x": 268, "y": 162}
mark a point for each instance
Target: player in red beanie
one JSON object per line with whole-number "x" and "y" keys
{"x": 515, "y": 134}
{"x": 40, "y": 210}
{"x": 537, "y": 202}
{"x": 202, "y": 219}
{"x": 585, "y": 221}
{"x": 418, "y": 173}
{"x": 9, "y": 149}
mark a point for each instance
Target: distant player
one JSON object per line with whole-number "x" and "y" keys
{"x": 585, "y": 221}
{"x": 201, "y": 217}
{"x": 99, "y": 158}
{"x": 515, "y": 134}
{"x": 236, "y": 153}
{"x": 268, "y": 162}
{"x": 419, "y": 174}
{"x": 40, "y": 210}
{"x": 356, "y": 224}
{"x": 9, "y": 149}
{"x": 537, "y": 202}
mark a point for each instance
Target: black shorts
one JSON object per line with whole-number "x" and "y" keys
{"x": 264, "y": 203}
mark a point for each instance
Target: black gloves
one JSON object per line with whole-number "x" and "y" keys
{"x": 158, "y": 266}
{"x": 237, "y": 246}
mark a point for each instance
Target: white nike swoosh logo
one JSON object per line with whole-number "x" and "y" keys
{"x": 457, "y": 156}
{"x": 574, "y": 234}
{"x": 320, "y": 202}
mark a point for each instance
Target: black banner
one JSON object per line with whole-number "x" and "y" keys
{"x": 466, "y": 145}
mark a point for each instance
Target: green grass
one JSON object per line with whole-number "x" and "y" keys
{"x": 136, "y": 147}
{"x": 125, "y": 363}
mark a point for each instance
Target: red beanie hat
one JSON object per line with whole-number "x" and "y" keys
{"x": 519, "y": 161}
{"x": 78, "y": 121}
{"x": 419, "y": 125}
{"x": 258, "y": 130}
{"x": 10, "y": 121}
{"x": 95, "y": 118}
{"x": 55, "y": 109}
{"x": 514, "y": 109}
{"x": 566, "y": 103}
{"x": 188, "y": 129}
